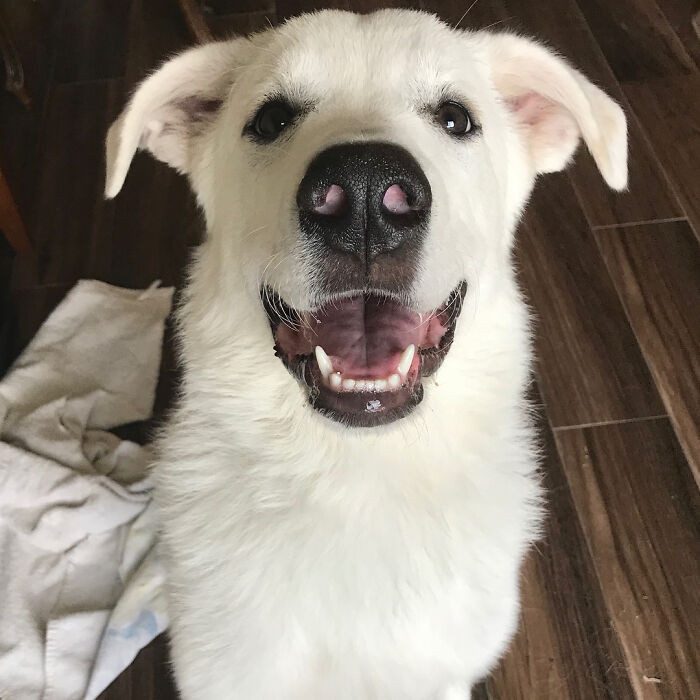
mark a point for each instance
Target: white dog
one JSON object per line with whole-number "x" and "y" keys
{"x": 349, "y": 484}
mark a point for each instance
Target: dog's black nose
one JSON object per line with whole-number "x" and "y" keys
{"x": 365, "y": 200}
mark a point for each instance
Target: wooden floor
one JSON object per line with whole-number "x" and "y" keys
{"x": 611, "y": 596}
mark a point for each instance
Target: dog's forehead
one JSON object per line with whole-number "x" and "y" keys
{"x": 331, "y": 52}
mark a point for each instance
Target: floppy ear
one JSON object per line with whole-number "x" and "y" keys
{"x": 554, "y": 106}
{"x": 171, "y": 108}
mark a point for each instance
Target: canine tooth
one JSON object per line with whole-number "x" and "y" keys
{"x": 394, "y": 381}
{"x": 348, "y": 384}
{"x": 335, "y": 381}
{"x": 380, "y": 384}
{"x": 406, "y": 360}
{"x": 324, "y": 362}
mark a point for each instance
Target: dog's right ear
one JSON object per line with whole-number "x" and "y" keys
{"x": 171, "y": 108}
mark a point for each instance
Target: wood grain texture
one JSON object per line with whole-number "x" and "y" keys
{"x": 156, "y": 224}
{"x": 637, "y": 39}
{"x": 640, "y": 510}
{"x": 670, "y": 113}
{"x": 590, "y": 367}
{"x": 28, "y": 309}
{"x": 91, "y": 40}
{"x": 227, "y": 7}
{"x": 237, "y": 23}
{"x": 32, "y": 26}
{"x": 73, "y": 223}
{"x": 679, "y": 14}
{"x": 149, "y": 677}
{"x": 156, "y": 29}
{"x": 566, "y": 647}
{"x": 656, "y": 270}
{"x": 292, "y": 8}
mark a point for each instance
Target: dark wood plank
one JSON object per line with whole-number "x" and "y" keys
{"x": 637, "y": 39}
{"x": 669, "y": 111}
{"x": 156, "y": 223}
{"x": 640, "y": 510}
{"x": 656, "y": 270}
{"x": 566, "y": 646}
{"x": 590, "y": 367}
{"x": 148, "y": 677}
{"x": 32, "y": 26}
{"x": 292, "y": 8}
{"x": 480, "y": 692}
{"x": 240, "y": 23}
{"x": 562, "y": 26}
{"x": 91, "y": 41}
{"x": 156, "y": 30}
{"x": 366, "y": 6}
{"x": 679, "y": 14}
{"x": 27, "y": 310}
{"x": 227, "y": 7}
{"x": 73, "y": 223}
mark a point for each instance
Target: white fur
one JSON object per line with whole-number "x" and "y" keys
{"x": 306, "y": 559}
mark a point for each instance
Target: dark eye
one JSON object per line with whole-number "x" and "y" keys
{"x": 272, "y": 119}
{"x": 453, "y": 118}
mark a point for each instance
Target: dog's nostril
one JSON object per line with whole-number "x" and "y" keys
{"x": 395, "y": 200}
{"x": 333, "y": 201}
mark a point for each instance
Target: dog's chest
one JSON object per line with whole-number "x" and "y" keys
{"x": 357, "y": 572}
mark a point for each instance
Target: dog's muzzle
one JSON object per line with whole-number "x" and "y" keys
{"x": 361, "y": 353}
{"x": 364, "y": 210}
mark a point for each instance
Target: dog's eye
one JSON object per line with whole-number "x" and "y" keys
{"x": 272, "y": 119}
{"x": 453, "y": 118}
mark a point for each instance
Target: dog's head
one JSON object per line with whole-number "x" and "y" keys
{"x": 359, "y": 173}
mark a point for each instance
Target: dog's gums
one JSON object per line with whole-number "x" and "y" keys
{"x": 362, "y": 357}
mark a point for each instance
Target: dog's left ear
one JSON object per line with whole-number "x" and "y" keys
{"x": 171, "y": 108}
{"x": 554, "y": 106}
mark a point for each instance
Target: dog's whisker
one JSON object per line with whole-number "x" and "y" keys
{"x": 493, "y": 24}
{"x": 466, "y": 12}
{"x": 253, "y": 232}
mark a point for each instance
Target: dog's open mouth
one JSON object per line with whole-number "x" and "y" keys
{"x": 362, "y": 356}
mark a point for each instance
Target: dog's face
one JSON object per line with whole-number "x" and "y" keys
{"x": 364, "y": 172}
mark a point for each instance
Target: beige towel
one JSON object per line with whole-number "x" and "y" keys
{"x": 80, "y": 584}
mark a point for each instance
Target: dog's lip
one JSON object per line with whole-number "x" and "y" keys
{"x": 386, "y": 384}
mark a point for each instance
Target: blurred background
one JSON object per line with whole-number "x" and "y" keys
{"x": 611, "y": 595}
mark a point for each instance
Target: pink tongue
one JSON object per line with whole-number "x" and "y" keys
{"x": 365, "y": 336}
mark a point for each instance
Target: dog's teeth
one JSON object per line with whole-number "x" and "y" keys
{"x": 335, "y": 381}
{"x": 406, "y": 360}
{"x": 324, "y": 362}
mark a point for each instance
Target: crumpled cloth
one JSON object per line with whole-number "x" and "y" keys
{"x": 81, "y": 587}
